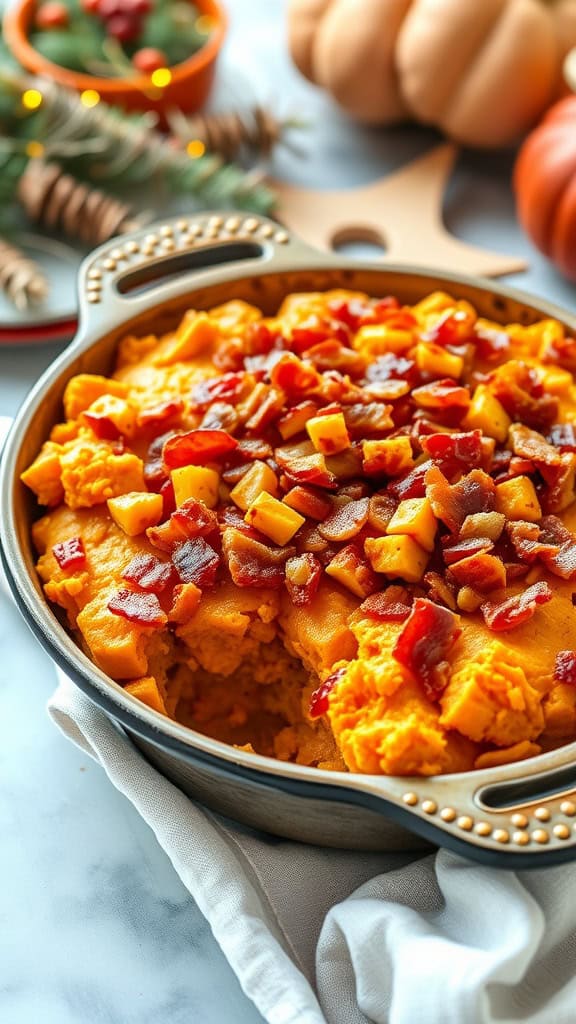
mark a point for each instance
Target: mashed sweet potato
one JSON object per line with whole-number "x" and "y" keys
{"x": 341, "y": 536}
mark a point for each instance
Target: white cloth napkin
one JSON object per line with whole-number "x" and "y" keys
{"x": 325, "y": 937}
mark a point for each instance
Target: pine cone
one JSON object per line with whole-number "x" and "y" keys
{"x": 20, "y": 277}
{"x": 232, "y": 134}
{"x": 59, "y": 202}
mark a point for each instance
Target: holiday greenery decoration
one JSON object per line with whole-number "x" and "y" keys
{"x": 234, "y": 135}
{"x": 113, "y": 38}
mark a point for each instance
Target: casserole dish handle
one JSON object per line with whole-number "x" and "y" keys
{"x": 127, "y": 277}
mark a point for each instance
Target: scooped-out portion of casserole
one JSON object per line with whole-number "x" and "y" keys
{"x": 341, "y": 536}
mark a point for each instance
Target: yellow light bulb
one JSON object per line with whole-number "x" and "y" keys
{"x": 32, "y": 99}
{"x": 195, "y": 149}
{"x": 89, "y": 98}
{"x": 161, "y": 77}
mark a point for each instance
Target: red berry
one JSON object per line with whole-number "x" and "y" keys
{"x": 149, "y": 59}
{"x": 52, "y": 15}
{"x": 139, "y": 7}
{"x": 123, "y": 27}
{"x": 90, "y": 6}
{"x": 108, "y": 8}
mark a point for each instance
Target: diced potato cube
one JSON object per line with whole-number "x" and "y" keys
{"x": 184, "y": 603}
{"x": 259, "y": 478}
{"x": 487, "y": 414}
{"x": 397, "y": 556}
{"x": 483, "y": 524}
{"x": 469, "y": 600}
{"x": 146, "y": 690}
{"x": 415, "y": 517}
{"x": 379, "y": 339}
{"x": 389, "y": 457}
{"x": 195, "y": 333}
{"x": 198, "y": 482}
{"x": 328, "y": 433}
{"x": 437, "y": 361}
{"x": 274, "y": 519}
{"x": 517, "y": 499}
{"x": 111, "y": 412}
{"x": 555, "y": 380}
{"x": 136, "y": 511}
{"x": 85, "y": 388}
{"x": 353, "y": 572}
{"x": 44, "y": 476}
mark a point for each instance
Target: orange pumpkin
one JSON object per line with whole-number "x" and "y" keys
{"x": 483, "y": 71}
{"x": 545, "y": 184}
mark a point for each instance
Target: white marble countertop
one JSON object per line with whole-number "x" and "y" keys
{"x": 95, "y": 926}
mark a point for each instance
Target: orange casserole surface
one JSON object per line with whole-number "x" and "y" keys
{"x": 341, "y": 536}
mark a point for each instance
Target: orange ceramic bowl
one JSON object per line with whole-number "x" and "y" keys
{"x": 189, "y": 86}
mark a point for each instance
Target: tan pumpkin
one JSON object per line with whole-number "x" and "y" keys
{"x": 482, "y": 71}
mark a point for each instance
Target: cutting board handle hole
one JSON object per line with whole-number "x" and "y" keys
{"x": 359, "y": 242}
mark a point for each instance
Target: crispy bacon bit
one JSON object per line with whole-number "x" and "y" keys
{"x": 483, "y": 572}
{"x": 303, "y": 575}
{"x": 527, "y": 542}
{"x": 311, "y": 469}
{"x": 455, "y": 451}
{"x": 196, "y": 562}
{"x": 333, "y": 355}
{"x": 491, "y": 344}
{"x": 315, "y": 330}
{"x": 261, "y": 339}
{"x": 253, "y": 564}
{"x": 451, "y": 503}
{"x": 220, "y": 416}
{"x": 454, "y": 551}
{"x": 529, "y": 444}
{"x": 560, "y": 481}
{"x": 309, "y": 539}
{"x": 143, "y": 609}
{"x": 232, "y": 516}
{"x": 390, "y": 605}
{"x": 168, "y": 498}
{"x": 381, "y": 508}
{"x": 266, "y": 412}
{"x": 440, "y": 590}
{"x": 294, "y": 421}
{"x": 553, "y": 532}
{"x": 104, "y": 427}
{"x": 565, "y": 667}
{"x": 355, "y": 490}
{"x": 346, "y": 465}
{"x": 451, "y": 328}
{"x": 253, "y": 448}
{"x": 197, "y": 447}
{"x": 194, "y": 519}
{"x": 158, "y": 415}
{"x": 226, "y": 388}
{"x": 372, "y": 418}
{"x": 441, "y": 395}
{"x": 351, "y": 312}
{"x": 515, "y": 610}
{"x": 345, "y": 521}
{"x": 561, "y": 352}
{"x": 563, "y": 436}
{"x": 308, "y": 502}
{"x": 424, "y": 643}
{"x": 293, "y": 376}
{"x": 518, "y": 390}
{"x": 351, "y": 569}
{"x": 70, "y": 554}
{"x": 516, "y": 467}
{"x": 412, "y": 485}
{"x": 149, "y": 573}
{"x": 154, "y": 471}
{"x": 320, "y": 698}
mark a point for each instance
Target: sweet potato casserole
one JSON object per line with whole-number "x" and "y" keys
{"x": 341, "y": 536}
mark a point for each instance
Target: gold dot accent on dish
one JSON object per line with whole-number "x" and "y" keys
{"x": 94, "y": 297}
{"x": 429, "y": 806}
{"x": 266, "y": 231}
{"x": 540, "y": 835}
{"x": 168, "y": 244}
{"x": 542, "y": 814}
{"x": 501, "y": 835}
{"x": 448, "y": 814}
{"x": 250, "y": 225}
{"x": 281, "y": 237}
{"x": 151, "y": 239}
{"x": 117, "y": 254}
{"x": 215, "y": 222}
{"x": 519, "y": 820}
{"x": 94, "y": 274}
{"x": 195, "y": 230}
{"x": 232, "y": 224}
{"x": 465, "y": 822}
{"x": 166, "y": 231}
{"x": 212, "y": 231}
{"x": 568, "y": 807}
{"x": 410, "y": 798}
{"x": 561, "y": 831}
{"x": 147, "y": 250}
{"x": 182, "y": 225}
{"x": 109, "y": 264}
{"x": 482, "y": 828}
{"x": 132, "y": 247}
{"x": 521, "y": 838}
